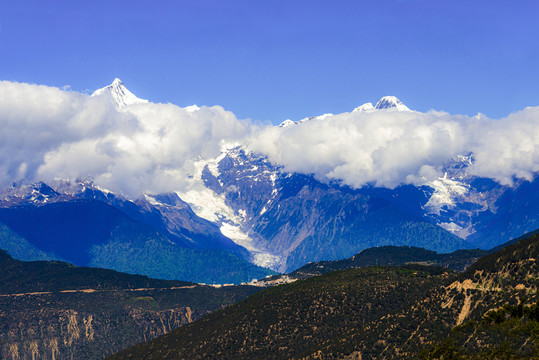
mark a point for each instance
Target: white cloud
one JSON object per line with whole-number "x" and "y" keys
{"x": 49, "y": 132}
{"x": 509, "y": 147}
{"x": 388, "y": 148}
{"x": 150, "y": 147}
{"x": 385, "y": 147}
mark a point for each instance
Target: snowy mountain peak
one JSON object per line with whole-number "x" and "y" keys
{"x": 286, "y": 123}
{"x": 117, "y": 82}
{"x": 119, "y": 93}
{"x": 390, "y": 103}
{"x": 289, "y": 122}
{"x": 385, "y": 103}
{"x": 365, "y": 107}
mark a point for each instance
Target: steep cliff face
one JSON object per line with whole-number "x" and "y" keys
{"x": 54, "y": 310}
{"x": 42, "y": 332}
{"x": 92, "y": 324}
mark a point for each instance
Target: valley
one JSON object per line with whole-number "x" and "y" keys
{"x": 248, "y": 245}
{"x": 269, "y": 180}
{"x": 322, "y": 310}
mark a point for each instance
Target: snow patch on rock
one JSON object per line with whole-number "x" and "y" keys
{"x": 445, "y": 193}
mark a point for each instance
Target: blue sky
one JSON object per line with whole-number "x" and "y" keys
{"x": 273, "y": 60}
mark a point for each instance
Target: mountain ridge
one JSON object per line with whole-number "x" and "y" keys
{"x": 120, "y": 235}
{"x": 354, "y": 314}
{"x": 241, "y": 202}
{"x": 57, "y": 310}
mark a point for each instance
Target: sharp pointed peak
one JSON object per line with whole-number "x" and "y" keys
{"x": 116, "y": 83}
{"x": 286, "y": 123}
{"x": 385, "y": 103}
{"x": 390, "y": 103}
{"x": 365, "y": 107}
{"x": 119, "y": 93}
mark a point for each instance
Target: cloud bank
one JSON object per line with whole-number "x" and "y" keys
{"x": 390, "y": 148}
{"x": 53, "y": 133}
{"x": 49, "y": 132}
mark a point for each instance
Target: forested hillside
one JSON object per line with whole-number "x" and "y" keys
{"x": 489, "y": 311}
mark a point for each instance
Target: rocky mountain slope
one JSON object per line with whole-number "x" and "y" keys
{"x": 294, "y": 219}
{"x": 157, "y": 236}
{"x": 287, "y": 320}
{"x": 288, "y": 219}
{"x": 489, "y": 311}
{"x": 239, "y": 207}
{"x": 458, "y": 260}
{"x": 57, "y": 309}
{"x": 375, "y": 312}
{"x": 54, "y": 310}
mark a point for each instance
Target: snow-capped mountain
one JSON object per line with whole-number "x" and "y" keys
{"x": 241, "y": 203}
{"x": 367, "y": 107}
{"x": 155, "y": 235}
{"x": 480, "y": 210}
{"x": 119, "y": 94}
{"x": 166, "y": 212}
{"x": 387, "y": 103}
{"x": 390, "y": 103}
{"x": 287, "y": 219}
{"x": 209, "y": 201}
{"x": 286, "y": 123}
{"x": 289, "y": 122}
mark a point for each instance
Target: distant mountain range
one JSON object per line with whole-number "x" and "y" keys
{"x": 241, "y": 215}
{"x": 294, "y": 219}
{"x": 241, "y": 186}
{"x": 82, "y": 224}
{"x": 55, "y": 309}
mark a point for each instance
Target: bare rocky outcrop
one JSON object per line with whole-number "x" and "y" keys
{"x": 91, "y": 325}
{"x": 66, "y": 334}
